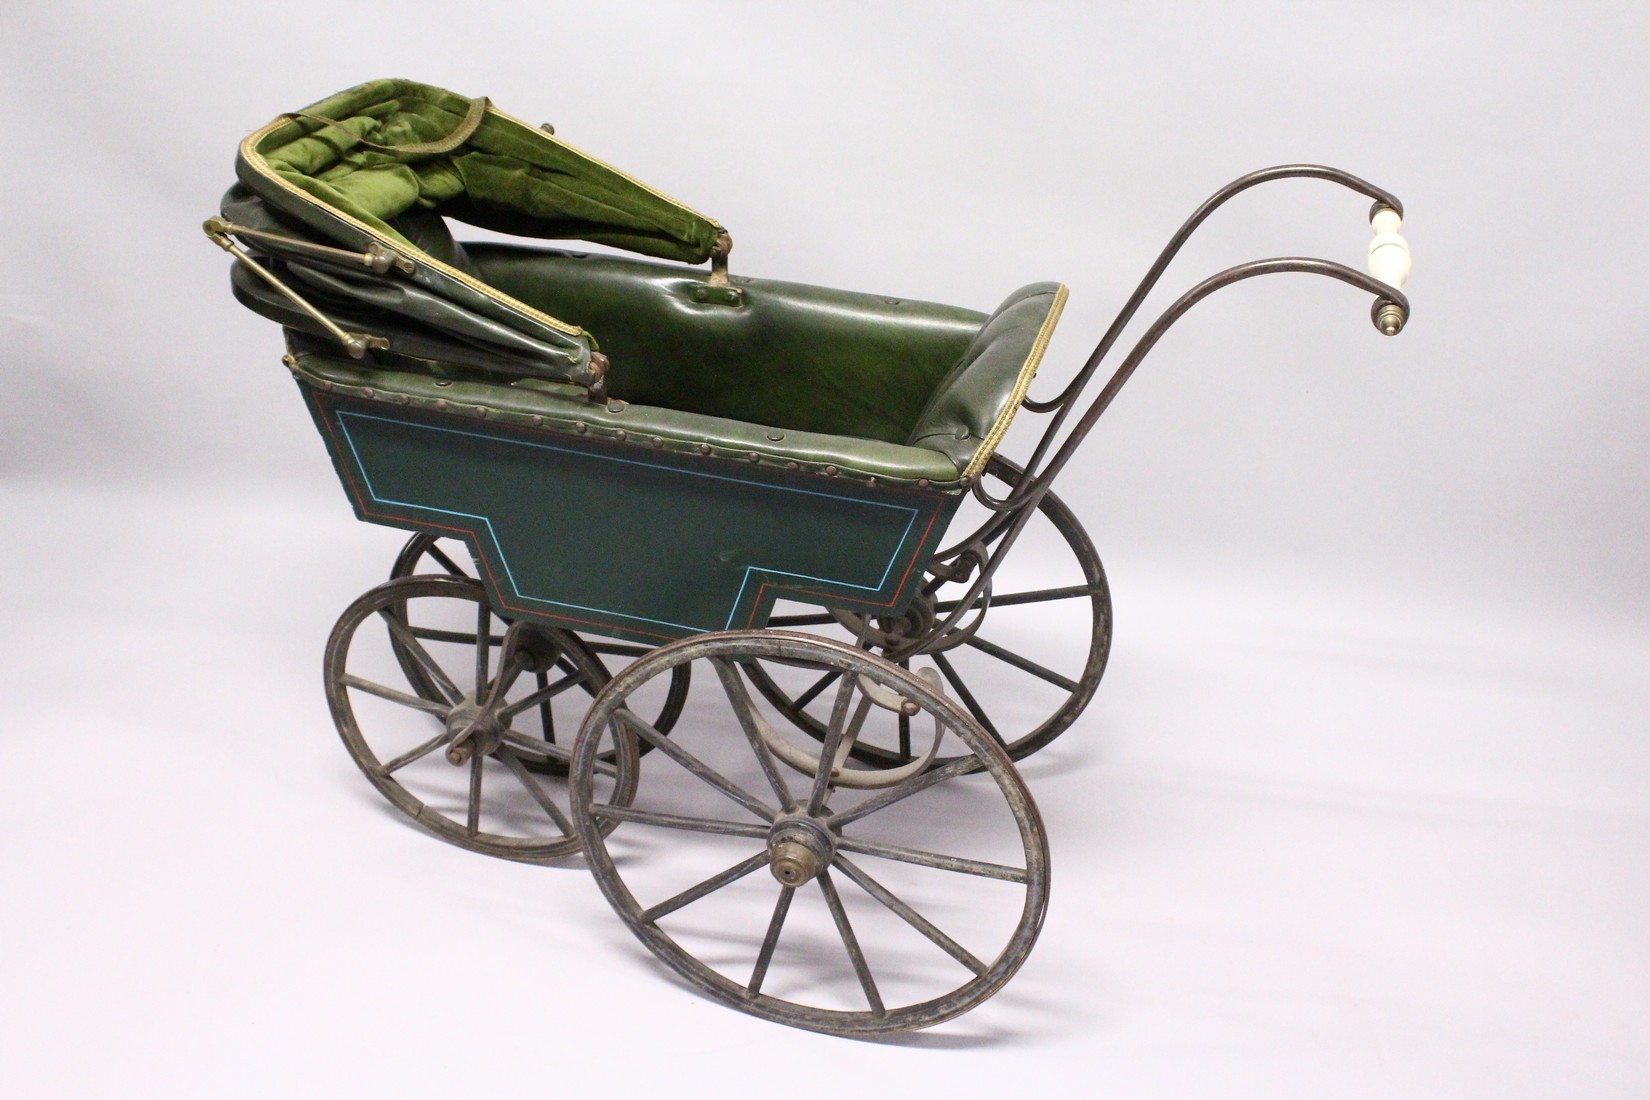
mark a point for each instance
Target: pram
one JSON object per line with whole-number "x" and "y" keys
{"x": 736, "y": 465}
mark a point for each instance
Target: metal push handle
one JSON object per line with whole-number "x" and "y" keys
{"x": 1389, "y": 266}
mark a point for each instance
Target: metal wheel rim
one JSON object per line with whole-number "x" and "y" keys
{"x": 992, "y": 760}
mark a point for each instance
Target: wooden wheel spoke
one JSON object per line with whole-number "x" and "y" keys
{"x": 484, "y": 648}
{"x": 440, "y": 710}
{"x": 532, "y": 746}
{"x": 525, "y": 778}
{"x": 1024, "y": 664}
{"x": 472, "y": 818}
{"x": 908, "y": 915}
{"x": 457, "y": 637}
{"x": 403, "y": 634}
{"x": 546, "y": 692}
{"x": 677, "y": 821}
{"x": 1041, "y": 595}
{"x": 696, "y": 766}
{"x": 905, "y": 789}
{"x": 956, "y": 681}
{"x": 547, "y": 713}
{"x": 833, "y": 740}
{"x": 709, "y": 886}
{"x": 770, "y": 941}
{"x": 820, "y": 685}
{"x": 932, "y": 859}
{"x": 446, "y": 562}
{"x": 417, "y": 753}
{"x": 745, "y": 708}
{"x": 851, "y": 942}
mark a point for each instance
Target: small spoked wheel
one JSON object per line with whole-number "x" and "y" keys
{"x": 462, "y": 724}
{"x": 829, "y": 896}
{"x": 1039, "y": 650}
{"x": 424, "y": 554}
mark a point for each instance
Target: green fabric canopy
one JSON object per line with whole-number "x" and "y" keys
{"x": 384, "y": 148}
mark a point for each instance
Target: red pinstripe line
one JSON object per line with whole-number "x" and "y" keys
{"x": 911, "y": 564}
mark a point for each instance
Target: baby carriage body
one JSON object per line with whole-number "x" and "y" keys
{"x": 633, "y": 510}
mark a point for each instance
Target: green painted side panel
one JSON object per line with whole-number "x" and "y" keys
{"x": 626, "y": 540}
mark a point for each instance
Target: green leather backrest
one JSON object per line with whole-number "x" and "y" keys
{"x": 787, "y": 355}
{"x": 971, "y": 407}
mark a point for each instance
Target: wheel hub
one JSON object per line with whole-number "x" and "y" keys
{"x": 798, "y": 849}
{"x": 474, "y": 731}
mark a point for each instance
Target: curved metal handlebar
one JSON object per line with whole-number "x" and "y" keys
{"x": 1386, "y": 297}
{"x": 1199, "y": 216}
{"x": 1389, "y": 265}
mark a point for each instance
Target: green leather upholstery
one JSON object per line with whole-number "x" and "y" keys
{"x": 803, "y": 357}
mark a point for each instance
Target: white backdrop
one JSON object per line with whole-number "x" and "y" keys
{"x": 1360, "y": 808}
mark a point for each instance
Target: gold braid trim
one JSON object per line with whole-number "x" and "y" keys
{"x": 1021, "y": 385}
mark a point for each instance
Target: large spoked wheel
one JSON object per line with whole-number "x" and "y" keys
{"x": 425, "y": 554}
{"x": 1038, "y": 653}
{"x": 839, "y": 899}
{"x": 469, "y": 758}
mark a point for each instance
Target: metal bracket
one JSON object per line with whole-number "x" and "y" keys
{"x": 378, "y": 257}
{"x": 357, "y": 344}
{"x": 717, "y": 290}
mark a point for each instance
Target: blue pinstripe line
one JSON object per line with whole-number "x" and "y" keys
{"x": 504, "y": 561}
{"x": 624, "y": 461}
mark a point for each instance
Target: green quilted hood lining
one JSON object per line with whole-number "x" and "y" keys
{"x": 506, "y": 175}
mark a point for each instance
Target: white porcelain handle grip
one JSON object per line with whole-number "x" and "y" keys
{"x": 1388, "y": 252}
